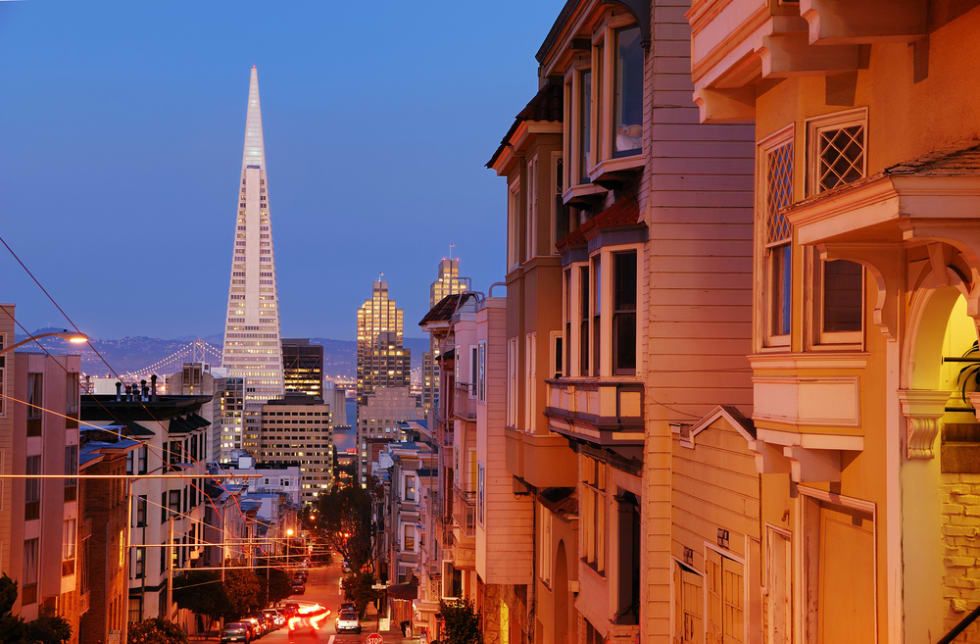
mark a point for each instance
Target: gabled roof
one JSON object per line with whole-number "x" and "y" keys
{"x": 547, "y": 105}
{"x": 733, "y": 416}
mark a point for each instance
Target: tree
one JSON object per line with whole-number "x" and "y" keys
{"x": 243, "y": 591}
{"x": 358, "y": 588}
{"x": 462, "y": 624}
{"x": 46, "y": 629}
{"x": 279, "y": 585}
{"x": 344, "y": 521}
{"x": 201, "y": 592}
{"x": 155, "y": 631}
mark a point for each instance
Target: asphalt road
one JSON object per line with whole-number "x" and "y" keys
{"x": 323, "y": 587}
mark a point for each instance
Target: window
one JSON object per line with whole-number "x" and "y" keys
{"x": 480, "y": 474}
{"x": 140, "y": 513}
{"x": 530, "y": 377}
{"x": 483, "y": 371}
{"x": 139, "y": 562}
{"x": 71, "y": 471}
{"x": 624, "y": 313}
{"x": 585, "y": 125}
{"x": 596, "y": 314}
{"x": 583, "y": 348}
{"x": 409, "y": 544}
{"x": 409, "y": 488}
{"x": 531, "y": 234}
{"x": 174, "y": 502}
{"x": 32, "y": 489}
{"x": 836, "y": 146}
{"x": 512, "y": 382}
{"x": 35, "y": 389}
{"x": 557, "y": 359}
{"x": 568, "y": 322}
{"x": 141, "y": 459}
{"x": 544, "y": 547}
{"x": 778, "y": 190}
{"x": 560, "y": 214}
{"x": 628, "y": 93}
{"x": 594, "y": 515}
{"x": 28, "y": 593}
{"x": 513, "y": 224}
{"x": 68, "y": 536}
{"x": 72, "y": 396}
{"x": 474, "y": 359}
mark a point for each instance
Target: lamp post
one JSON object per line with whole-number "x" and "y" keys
{"x": 74, "y": 338}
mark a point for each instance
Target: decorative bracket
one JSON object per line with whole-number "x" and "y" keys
{"x": 923, "y": 410}
{"x": 886, "y": 263}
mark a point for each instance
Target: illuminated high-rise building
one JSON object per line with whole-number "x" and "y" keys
{"x": 252, "y": 348}
{"x": 302, "y": 364}
{"x": 382, "y": 360}
{"x": 448, "y": 282}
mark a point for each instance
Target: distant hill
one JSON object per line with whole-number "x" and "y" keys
{"x": 135, "y": 352}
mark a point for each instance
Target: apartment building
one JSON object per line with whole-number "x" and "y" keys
{"x": 302, "y": 366}
{"x": 628, "y": 257}
{"x": 173, "y": 439}
{"x": 103, "y": 537}
{"x": 297, "y": 429}
{"x": 229, "y": 410}
{"x": 43, "y": 513}
{"x": 864, "y": 306}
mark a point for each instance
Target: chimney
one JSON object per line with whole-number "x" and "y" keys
{"x": 144, "y": 390}
{"x": 118, "y": 391}
{"x": 153, "y": 387}
{"x": 129, "y": 392}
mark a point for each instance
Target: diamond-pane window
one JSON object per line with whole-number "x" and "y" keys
{"x": 779, "y": 192}
{"x": 840, "y": 156}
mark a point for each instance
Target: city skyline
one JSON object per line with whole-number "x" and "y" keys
{"x": 182, "y": 150}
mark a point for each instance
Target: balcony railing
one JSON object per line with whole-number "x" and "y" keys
{"x": 465, "y": 401}
{"x": 464, "y": 513}
{"x": 610, "y": 411}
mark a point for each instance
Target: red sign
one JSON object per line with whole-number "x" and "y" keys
{"x": 374, "y": 638}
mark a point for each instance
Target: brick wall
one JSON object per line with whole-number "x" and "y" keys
{"x": 961, "y": 537}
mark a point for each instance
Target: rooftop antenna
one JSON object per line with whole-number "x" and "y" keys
{"x": 452, "y": 245}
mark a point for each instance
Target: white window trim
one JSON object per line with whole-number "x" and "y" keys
{"x": 765, "y": 341}
{"x": 530, "y": 377}
{"x": 513, "y": 224}
{"x": 607, "y": 277}
{"x": 553, "y": 193}
{"x": 512, "y": 368}
{"x": 531, "y": 210}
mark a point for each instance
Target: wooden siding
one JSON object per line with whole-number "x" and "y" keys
{"x": 696, "y": 199}
{"x": 504, "y": 541}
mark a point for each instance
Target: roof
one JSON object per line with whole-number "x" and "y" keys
{"x": 105, "y": 407}
{"x": 445, "y": 308}
{"x": 547, "y": 105}
{"x": 962, "y": 157}
{"x": 624, "y": 213}
{"x": 129, "y": 429}
{"x": 188, "y": 424}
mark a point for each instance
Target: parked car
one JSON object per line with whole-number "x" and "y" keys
{"x": 236, "y": 632}
{"x": 258, "y": 624}
{"x": 348, "y": 622}
{"x": 348, "y": 606}
{"x": 300, "y": 575}
{"x": 275, "y": 617}
{"x": 298, "y": 588}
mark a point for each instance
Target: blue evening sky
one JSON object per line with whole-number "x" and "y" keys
{"x": 121, "y": 128}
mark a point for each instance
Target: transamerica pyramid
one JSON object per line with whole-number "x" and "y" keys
{"x": 252, "y": 347}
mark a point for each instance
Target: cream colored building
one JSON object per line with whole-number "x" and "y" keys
{"x": 379, "y": 418}
{"x": 864, "y": 308}
{"x": 297, "y": 429}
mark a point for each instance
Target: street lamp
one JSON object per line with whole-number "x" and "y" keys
{"x": 65, "y": 334}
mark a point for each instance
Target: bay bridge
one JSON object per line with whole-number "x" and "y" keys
{"x": 196, "y": 350}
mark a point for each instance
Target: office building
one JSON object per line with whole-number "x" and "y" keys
{"x": 229, "y": 417}
{"x": 302, "y": 367}
{"x": 296, "y": 429}
{"x": 382, "y": 361}
{"x": 379, "y": 419}
{"x": 448, "y": 282}
{"x": 252, "y": 348}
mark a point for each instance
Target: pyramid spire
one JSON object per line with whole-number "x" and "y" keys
{"x": 253, "y": 348}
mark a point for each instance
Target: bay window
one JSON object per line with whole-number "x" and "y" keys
{"x": 585, "y": 125}
{"x": 568, "y": 322}
{"x": 776, "y": 172}
{"x": 583, "y": 349}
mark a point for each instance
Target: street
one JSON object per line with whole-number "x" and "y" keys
{"x": 323, "y": 587}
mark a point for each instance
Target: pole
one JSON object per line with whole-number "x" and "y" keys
{"x": 170, "y": 570}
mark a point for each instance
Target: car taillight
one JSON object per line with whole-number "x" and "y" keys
{"x": 294, "y": 622}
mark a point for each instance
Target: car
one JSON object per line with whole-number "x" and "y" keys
{"x": 307, "y": 622}
{"x": 258, "y": 624}
{"x": 275, "y": 617}
{"x": 298, "y": 589}
{"x": 289, "y": 609}
{"x": 300, "y": 576}
{"x": 348, "y": 622}
{"x": 346, "y": 566}
{"x": 348, "y": 606}
{"x": 236, "y": 632}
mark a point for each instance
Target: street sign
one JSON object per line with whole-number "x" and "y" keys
{"x": 374, "y": 638}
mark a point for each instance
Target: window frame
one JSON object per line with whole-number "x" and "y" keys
{"x": 530, "y": 377}
{"x": 514, "y": 221}
{"x": 767, "y": 340}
